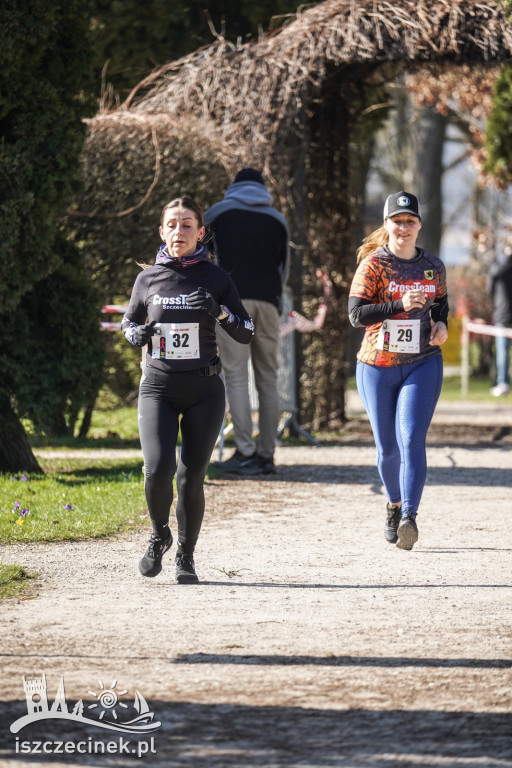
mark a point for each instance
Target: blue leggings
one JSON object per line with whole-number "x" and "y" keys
{"x": 400, "y": 402}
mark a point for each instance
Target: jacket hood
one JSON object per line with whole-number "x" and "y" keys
{"x": 248, "y": 196}
{"x": 248, "y": 193}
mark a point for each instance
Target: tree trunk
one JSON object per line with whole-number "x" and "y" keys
{"x": 332, "y": 212}
{"x": 87, "y": 418}
{"x": 15, "y": 452}
{"x": 429, "y": 175}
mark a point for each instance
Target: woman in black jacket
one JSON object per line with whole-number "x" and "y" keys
{"x": 174, "y": 308}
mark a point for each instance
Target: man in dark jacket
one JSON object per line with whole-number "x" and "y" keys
{"x": 252, "y": 243}
{"x": 499, "y": 285}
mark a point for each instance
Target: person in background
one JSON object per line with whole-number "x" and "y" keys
{"x": 251, "y": 242}
{"x": 399, "y": 294}
{"x": 174, "y": 308}
{"x": 499, "y": 286}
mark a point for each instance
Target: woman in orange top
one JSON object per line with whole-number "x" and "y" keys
{"x": 399, "y": 294}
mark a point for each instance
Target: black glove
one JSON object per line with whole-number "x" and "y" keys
{"x": 143, "y": 333}
{"x": 201, "y": 299}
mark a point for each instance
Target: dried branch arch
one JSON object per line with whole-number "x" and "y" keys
{"x": 285, "y": 103}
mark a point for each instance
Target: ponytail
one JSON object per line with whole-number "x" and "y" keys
{"x": 370, "y": 244}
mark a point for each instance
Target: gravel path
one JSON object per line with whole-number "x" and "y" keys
{"x": 310, "y": 641}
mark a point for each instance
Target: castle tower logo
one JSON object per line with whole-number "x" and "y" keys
{"x": 35, "y": 692}
{"x": 105, "y": 711}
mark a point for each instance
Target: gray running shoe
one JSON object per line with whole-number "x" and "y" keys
{"x": 151, "y": 564}
{"x": 407, "y": 532}
{"x": 185, "y": 570}
{"x": 393, "y": 517}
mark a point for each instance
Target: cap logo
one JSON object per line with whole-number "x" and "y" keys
{"x": 403, "y": 201}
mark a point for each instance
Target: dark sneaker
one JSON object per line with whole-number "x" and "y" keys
{"x": 407, "y": 532}
{"x": 151, "y": 563}
{"x": 234, "y": 464}
{"x": 185, "y": 570}
{"x": 258, "y": 466}
{"x": 267, "y": 466}
{"x": 393, "y": 517}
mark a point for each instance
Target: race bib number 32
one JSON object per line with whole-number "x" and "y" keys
{"x": 176, "y": 341}
{"x": 399, "y": 336}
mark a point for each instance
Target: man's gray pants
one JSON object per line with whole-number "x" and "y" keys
{"x": 263, "y": 352}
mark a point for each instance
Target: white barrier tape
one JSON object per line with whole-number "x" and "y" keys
{"x": 110, "y": 326}
{"x": 117, "y": 309}
{"x": 487, "y": 330}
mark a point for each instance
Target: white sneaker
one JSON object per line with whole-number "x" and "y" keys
{"x": 500, "y": 389}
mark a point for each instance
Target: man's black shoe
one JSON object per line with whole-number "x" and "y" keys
{"x": 151, "y": 563}
{"x": 393, "y": 517}
{"x": 185, "y": 570}
{"x": 235, "y": 463}
{"x": 258, "y": 465}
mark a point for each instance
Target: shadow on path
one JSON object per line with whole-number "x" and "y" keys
{"x": 236, "y": 736}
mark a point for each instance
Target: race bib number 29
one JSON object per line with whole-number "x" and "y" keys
{"x": 176, "y": 341}
{"x": 399, "y": 336}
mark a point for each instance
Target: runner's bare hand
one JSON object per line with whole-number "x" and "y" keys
{"x": 413, "y": 299}
{"x": 438, "y": 334}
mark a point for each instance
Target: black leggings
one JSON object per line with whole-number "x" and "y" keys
{"x": 200, "y": 401}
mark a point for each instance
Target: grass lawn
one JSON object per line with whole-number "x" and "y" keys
{"x": 16, "y": 582}
{"x": 75, "y": 499}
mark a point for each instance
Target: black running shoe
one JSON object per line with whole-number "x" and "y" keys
{"x": 267, "y": 466}
{"x": 235, "y": 463}
{"x": 185, "y": 571}
{"x": 258, "y": 465}
{"x": 407, "y": 532}
{"x": 393, "y": 517}
{"x": 151, "y": 563}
